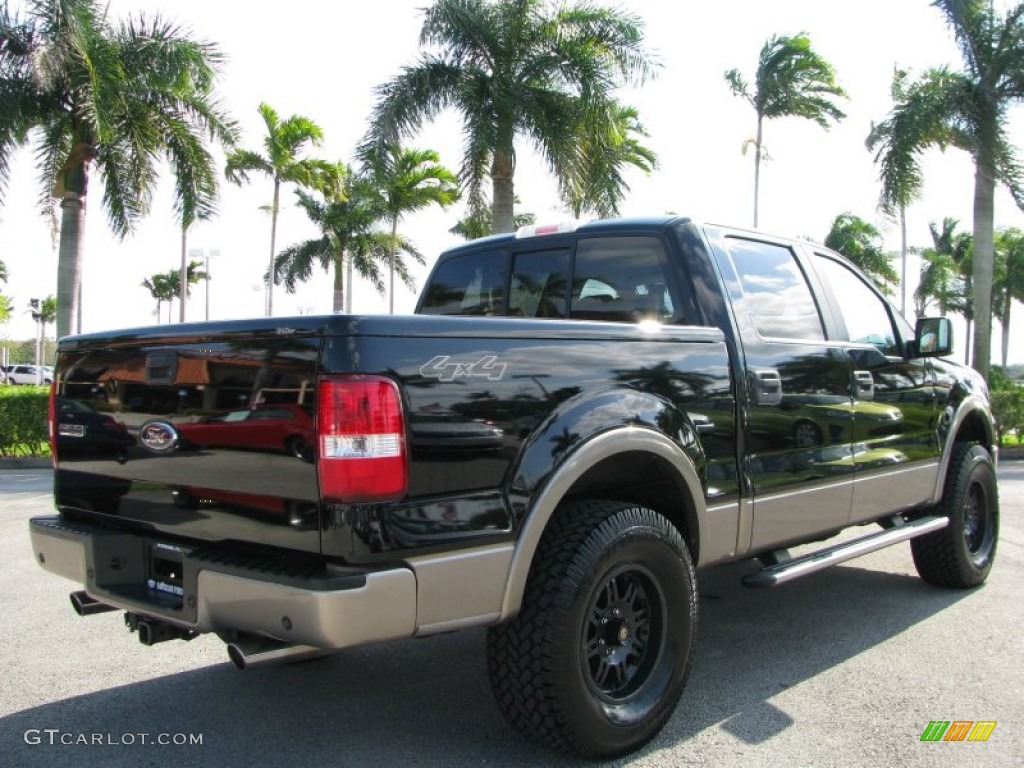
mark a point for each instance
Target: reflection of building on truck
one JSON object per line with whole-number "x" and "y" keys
{"x": 580, "y": 421}
{"x": 180, "y": 381}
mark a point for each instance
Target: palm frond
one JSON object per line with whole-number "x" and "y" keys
{"x": 241, "y": 161}
{"x": 295, "y": 264}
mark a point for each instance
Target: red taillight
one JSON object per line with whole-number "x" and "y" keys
{"x": 361, "y": 439}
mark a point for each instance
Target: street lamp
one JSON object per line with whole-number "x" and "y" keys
{"x": 214, "y": 254}
{"x": 37, "y": 315}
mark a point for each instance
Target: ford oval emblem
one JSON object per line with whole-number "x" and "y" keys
{"x": 159, "y": 436}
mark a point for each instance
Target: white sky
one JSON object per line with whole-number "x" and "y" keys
{"x": 323, "y": 60}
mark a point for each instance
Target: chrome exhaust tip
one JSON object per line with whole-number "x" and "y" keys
{"x": 260, "y": 652}
{"x": 87, "y": 606}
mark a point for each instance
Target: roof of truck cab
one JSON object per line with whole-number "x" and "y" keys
{"x": 624, "y": 224}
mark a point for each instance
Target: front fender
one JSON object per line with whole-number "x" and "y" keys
{"x": 967, "y": 418}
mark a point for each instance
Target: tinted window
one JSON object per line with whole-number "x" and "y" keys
{"x": 272, "y": 413}
{"x": 865, "y": 315}
{"x": 621, "y": 279}
{"x": 470, "y": 284}
{"x": 775, "y": 291}
{"x": 540, "y": 281}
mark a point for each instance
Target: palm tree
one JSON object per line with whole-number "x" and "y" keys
{"x": 408, "y": 180}
{"x": 349, "y": 233}
{"x": 942, "y": 273}
{"x": 47, "y": 316}
{"x": 968, "y": 110}
{"x": 193, "y": 274}
{"x": 861, "y": 242}
{"x": 119, "y": 97}
{"x": 515, "y": 69}
{"x": 614, "y": 145}
{"x": 901, "y": 178}
{"x": 161, "y": 289}
{"x": 791, "y": 80}
{"x": 6, "y": 307}
{"x": 477, "y": 221}
{"x": 1009, "y": 283}
{"x": 281, "y": 161}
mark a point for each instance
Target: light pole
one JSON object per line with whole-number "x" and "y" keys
{"x": 209, "y": 255}
{"x": 38, "y": 317}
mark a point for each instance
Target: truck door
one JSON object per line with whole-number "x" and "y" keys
{"x": 895, "y": 444}
{"x": 798, "y": 425}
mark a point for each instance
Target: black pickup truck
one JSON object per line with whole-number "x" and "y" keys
{"x": 579, "y": 419}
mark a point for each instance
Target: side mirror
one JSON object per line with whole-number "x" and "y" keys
{"x": 933, "y": 337}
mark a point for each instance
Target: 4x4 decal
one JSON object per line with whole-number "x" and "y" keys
{"x": 443, "y": 368}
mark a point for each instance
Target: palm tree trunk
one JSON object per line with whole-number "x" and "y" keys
{"x": 967, "y": 343}
{"x": 903, "y": 260}
{"x": 183, "y": 284}
{"x": 273, "y": 246}
{"x": 757, "y": 165}
{"x": 391, "y": 265}
{"x": 69, "y": 259}
{"x": 338, "y": 297}
{"x": 981, "y": 277}
{"x": 1005, "y": 322}
{"x": 348, "y": 286}
{"x": 503, "y": 193}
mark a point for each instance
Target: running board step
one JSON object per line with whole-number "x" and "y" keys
{"x": 789, "y": 570}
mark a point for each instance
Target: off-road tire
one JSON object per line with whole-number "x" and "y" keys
{"x": 961, "y": 554}
{"x": 597, "y": 658}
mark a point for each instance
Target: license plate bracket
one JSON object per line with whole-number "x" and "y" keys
{"x": 166, "y": 570}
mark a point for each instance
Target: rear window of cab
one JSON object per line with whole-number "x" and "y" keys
{"x": 617, "y": 279}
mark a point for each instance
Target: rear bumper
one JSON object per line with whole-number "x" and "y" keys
{"x": 207, "y": 591}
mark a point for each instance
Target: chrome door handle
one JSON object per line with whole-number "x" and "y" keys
{"x": 766, "y": 384}
{"x": 863, "y": 385}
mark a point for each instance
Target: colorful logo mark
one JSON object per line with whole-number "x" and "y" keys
{"x": 958, "y": 730}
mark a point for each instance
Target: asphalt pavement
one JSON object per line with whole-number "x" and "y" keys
{"x": 844, "y": 668}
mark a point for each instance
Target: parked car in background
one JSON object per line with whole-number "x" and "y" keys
{"x": 29, "y": 374}
{"x": 268, "y": 427}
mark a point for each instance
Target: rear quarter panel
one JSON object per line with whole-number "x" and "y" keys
{"x": 518, "y": 398}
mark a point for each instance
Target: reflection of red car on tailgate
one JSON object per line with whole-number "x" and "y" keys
{"x": 273, "y": 427}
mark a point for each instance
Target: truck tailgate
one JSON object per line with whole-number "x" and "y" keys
{"x": 199, "y": 437}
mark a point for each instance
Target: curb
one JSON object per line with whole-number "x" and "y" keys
{"x": 1014, "y": 453}
{"x": 28, "y": 462}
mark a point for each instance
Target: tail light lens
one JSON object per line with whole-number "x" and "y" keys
{"x": 362, "y": 454}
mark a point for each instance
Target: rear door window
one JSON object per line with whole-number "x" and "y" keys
{"x": 773, "y": 289}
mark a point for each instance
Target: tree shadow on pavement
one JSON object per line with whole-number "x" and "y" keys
{"x": 427, "y": 702}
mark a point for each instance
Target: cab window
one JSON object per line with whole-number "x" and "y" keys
{"x": 539, "y": 286}
{"x": 774, "y": 291}
{"x": 468, "y": 284}
{"x": 621, "y": 279}
{"x": 862, "y": 311}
